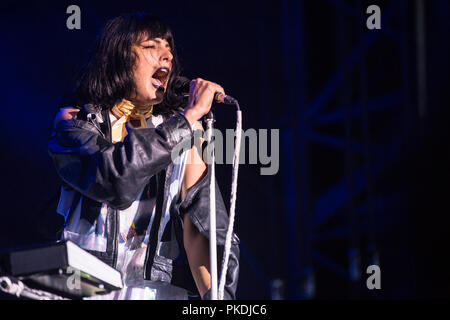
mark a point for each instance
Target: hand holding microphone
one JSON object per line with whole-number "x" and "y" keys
{"x": 201, "y": 95}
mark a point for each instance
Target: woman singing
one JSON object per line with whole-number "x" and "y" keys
{"x": 125, "y": 196}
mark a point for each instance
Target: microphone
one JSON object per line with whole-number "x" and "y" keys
{"x": 180, "y": 86}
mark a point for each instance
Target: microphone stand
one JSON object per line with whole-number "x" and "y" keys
{"x": 209, "y": 119}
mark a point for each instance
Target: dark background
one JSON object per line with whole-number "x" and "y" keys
{"x": 364, "y": 148}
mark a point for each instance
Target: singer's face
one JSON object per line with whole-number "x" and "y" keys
{"x": 152, "y": 69}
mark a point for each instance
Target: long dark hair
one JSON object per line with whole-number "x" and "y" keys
{"x": 107, "y": 77}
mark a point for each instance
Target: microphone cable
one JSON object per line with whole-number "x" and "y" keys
{"x": 234, "y": 177}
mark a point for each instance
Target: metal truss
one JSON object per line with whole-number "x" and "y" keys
{"x": 353, "y": 196}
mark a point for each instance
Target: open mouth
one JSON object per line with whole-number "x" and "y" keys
{"x": 160, "y": 77}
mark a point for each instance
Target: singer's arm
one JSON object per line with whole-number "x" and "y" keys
{"x": 195, "y": 206}
{"x": 195, "y": 212}
{"x": 107, "y": 172}
{"x": 196, "y": 244}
